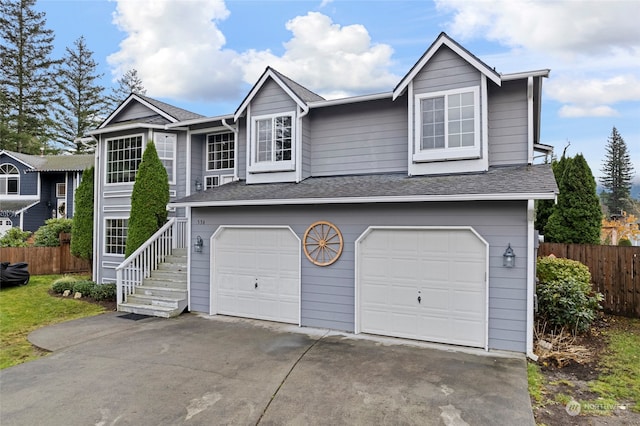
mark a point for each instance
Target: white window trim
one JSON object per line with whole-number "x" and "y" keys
{"x": 64, "y": 194}
{"x": 172, "y": 178}
{"x": 206, "y": 149}
{"x": 221, "y": 180}
{"x": 104, "y": 236}
{"x": 272, "y": 166}
{"x": 440, "y": 154}
{"x": 105, "y": 161}
{"x": 12, "y": 175}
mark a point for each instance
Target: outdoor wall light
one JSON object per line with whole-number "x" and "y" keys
{"x": 198, "y": 185}
{"x": 509, "y": 258}
{"x": 197, "y": 246}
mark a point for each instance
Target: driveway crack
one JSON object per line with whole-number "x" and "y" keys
{"x": 287, "y": 376}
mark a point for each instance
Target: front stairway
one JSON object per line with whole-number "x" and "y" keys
{"x": 164, "y": 292}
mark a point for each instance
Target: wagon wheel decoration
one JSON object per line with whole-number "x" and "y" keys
{"x": 322, "y": 243}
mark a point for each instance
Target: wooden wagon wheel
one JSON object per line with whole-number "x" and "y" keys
{"x": 322, "y": 243}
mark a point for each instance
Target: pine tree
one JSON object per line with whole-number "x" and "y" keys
{"x": 577, "y": 216}
{"x": 149, "y": 200}
{"x": 27, "y": 77}
{"x": 81, "y": 106}
{"x": 129, "y": 83}
{"x": 618, "y": 173}
{"x": 82, "y": 229}
{"x": 545, "y": 208}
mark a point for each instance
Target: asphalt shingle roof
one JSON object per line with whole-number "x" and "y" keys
{"x": 178, "y": 113}
{"x": 302, "y": 92}
{"x": 55, "y": 163}
{"x": 15, "y": 206}
{"x": 537, "y": 179}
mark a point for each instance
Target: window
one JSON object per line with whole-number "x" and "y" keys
{"x": 211, "y": 181}
{"x": 272, "y": 143}
{"x": 61, "y": 190}
{"x": 123, "y": 158}
{"x": 220, "y": 151}
{"x": 115, "y": 237}
{"x": 9, "y": 179}
{"x": 166, "y": 148}
{"x": 447, "y": 125}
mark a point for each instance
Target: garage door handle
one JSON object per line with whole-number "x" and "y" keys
{"x": 419, "y": 299}
{"x": 256, "y": 284}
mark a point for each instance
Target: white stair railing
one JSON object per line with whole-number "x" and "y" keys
{"x": 138, "y": 266}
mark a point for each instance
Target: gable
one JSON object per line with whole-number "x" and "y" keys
{"x": 136, "y": 112}
{"x": 446, "y": 70}
{"x": 271, "y": 98}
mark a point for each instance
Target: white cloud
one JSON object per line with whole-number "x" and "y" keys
{"x": 595, "y": 91}
{"x": 572, "y": 111}
{"x": 177, "y": 48}
{"x": 327, "y": 58}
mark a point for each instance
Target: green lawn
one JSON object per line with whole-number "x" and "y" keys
{"x": 26, "y": 308}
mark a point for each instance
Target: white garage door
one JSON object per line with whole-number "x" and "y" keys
{"x": 423, "y": 283}
{"x": 256, "y": 273}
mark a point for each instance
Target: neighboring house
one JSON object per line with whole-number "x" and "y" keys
{"x": 36, "y": 188}
{"x": 389, "y": 213}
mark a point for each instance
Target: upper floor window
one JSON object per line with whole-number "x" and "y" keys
{"x": 166, "y": 147}
{"x": 123, "y": 158}
{"x": 447, "y": 125}
{"x": 220, "y": 151}
{"x": 9, "y": 179}
{"x": 272, "y": 143}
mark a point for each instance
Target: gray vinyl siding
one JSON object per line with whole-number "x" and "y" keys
{"x": 328, "y": 293}
{"x": 306, "y": 146}
{"x": 445, "y": 71}
{"x": 367, "y": 137}
{"x": 136, "y": 111}
{"x": 70, "y": 179}
{"x": 242, "y": 148}
{"x": 508, "y": 114}
{"x": 271, "y": 99}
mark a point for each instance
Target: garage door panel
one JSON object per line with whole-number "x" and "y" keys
{"x": 256, "y": 273}
{"x": 445, "y": 267}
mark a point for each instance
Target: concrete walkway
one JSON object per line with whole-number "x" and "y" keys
{"x": 195, "y": 370}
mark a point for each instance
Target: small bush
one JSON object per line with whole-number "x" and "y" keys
{"x": 84, "y": 287}
{"x": 65, "y": 283}
{"x": 102, "y": 292}
{"x": 48, "y": 235}
{"x": 624, "y": 242}
{"x": 15, "y": 237}
{"x": 565, "y": 297}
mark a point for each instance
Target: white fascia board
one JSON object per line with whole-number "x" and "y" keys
{"x": 446, "y": 41}
{"x": 525, "y": 74}
{"x": 24, "y": 209}
{"x": 268, "y": 74}
{"x": 8, "y": 154}
{"x": 126, "y": 127}
{"x": 351, "y": 100}
{"x": 131, "y": 98}
{"x": 197, "y": 121}
{"x": 365, "y": 200}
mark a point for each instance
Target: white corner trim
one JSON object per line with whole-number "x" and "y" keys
{"x": 531, "y": 268}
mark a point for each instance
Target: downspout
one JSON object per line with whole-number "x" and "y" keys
{"x": 187, "y": 190}
{"x": 305, "y": 111}
{"x": 97, "y": 211}
{"x": 530, "y": 120}
{"x": 531, "y": 271}
{"x": 235, "y": 148}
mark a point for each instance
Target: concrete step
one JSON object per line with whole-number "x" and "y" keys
{"x": 180, "y": 252}
{"x": 173, "y": 266}
{"x": 180, "y": 283}
{"x": 151, "y": 310}
{"x": 168, "y": 274}
{"x": 144, "y": 299}
{"x": 179, "y": 293}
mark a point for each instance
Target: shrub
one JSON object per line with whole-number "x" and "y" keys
{"x": 624, "y": 242}
{"x": 565, "y": 297}
{"x": 84, "y": 287}
{"x": 82, "y": 229}
{"x": 15, "y": 237}
{"x": 48, "y": 235}
{"x": 104, "y": 292}
{"x": 65, "y": 283}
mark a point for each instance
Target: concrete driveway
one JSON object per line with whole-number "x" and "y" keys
{"x": 196, "y": 370}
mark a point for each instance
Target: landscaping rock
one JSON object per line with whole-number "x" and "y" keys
{"x": 78, "y": 295}
{"x": 66, "y": 293}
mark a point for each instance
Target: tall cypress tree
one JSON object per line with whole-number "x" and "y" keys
{"x": 149, "y": 200}
{"x": 577, "y": 217}
{"x": 82, "y": 228}
{"x": 617, "y": 174}
{"x": 27, "y": 76}
{"x": 545, "y": 208}
{"x": 81, "y": 106}
{"x": 129, "y": 83}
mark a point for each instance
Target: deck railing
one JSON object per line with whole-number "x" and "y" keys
{"x": 138, "y": 266}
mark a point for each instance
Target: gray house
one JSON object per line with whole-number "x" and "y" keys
{"x": 36, "y": 188}
{"x": 407, "y": 213}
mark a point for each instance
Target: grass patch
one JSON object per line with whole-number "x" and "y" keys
{"x": 620, "y": 380}
{"x": 26, "y": 308}
{"x": 535, "y": 380}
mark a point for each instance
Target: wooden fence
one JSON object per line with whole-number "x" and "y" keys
{"x": 46, "y": 260}
{"x": 615, "y": 272}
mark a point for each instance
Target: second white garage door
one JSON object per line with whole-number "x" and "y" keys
{"x": 423, "y": 283}
{"x": 256, "y": 273}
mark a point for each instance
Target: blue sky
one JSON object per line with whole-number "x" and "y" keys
{"x": 204, "y": 55}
